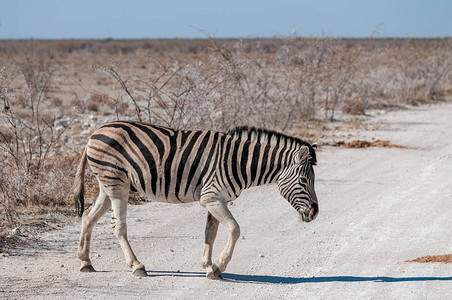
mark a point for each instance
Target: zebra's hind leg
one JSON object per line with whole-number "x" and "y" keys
{"x": 119, "y": 205}
{"x": 100, "y": 206}
{"x": 219, "y": 210}
{"x": 210, "y": 234}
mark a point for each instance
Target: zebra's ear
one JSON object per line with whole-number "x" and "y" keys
{"x": 314, "y": 146}
{"x": 302, "y": 155}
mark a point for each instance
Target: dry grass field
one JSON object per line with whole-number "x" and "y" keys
{"x": 53, "y": 94}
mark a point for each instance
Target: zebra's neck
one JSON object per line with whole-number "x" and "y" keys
{"x": 255, "y": 160}
{"x": 268, "y": 160}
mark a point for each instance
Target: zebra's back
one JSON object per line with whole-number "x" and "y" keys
{"x": 164, "y": 164}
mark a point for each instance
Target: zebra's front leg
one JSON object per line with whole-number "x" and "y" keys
{"x": 210, "y": 235}
{"x": 119, "y": 205}
{"x": 219, "y": 210}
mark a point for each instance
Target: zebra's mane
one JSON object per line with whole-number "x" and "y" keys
{"x": 264, "y": 136}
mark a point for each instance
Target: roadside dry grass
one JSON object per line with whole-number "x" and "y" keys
{"x": 444, "y": 258}
{"x": 367, "y": 144}
{"x": 53, "y": 94}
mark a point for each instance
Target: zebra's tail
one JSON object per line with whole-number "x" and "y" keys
{"x": 79, "y": 187}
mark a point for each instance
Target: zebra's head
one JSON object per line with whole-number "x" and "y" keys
{"x": 296, "y": 183}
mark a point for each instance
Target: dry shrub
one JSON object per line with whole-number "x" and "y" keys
{"x": 95, "y": 101}
{"x": 6, "y": 135}
{"x": 22, "y": 194}
{"x": 56, "y": 101}
{"x": 50, "y": 187}
{"x": 121, "y": 108}
{"x": 230, "y": 86}
{"x": 310, "y": 131}
{"x": 92, "y": 106}
{"x": 33, "y": 174}
{"x": 99, "y": 98}
{"x": 442, "y": 94}
{"x": 353, "y": 107}
{"x": 281, "y": 83}
{"x": 76, "y": 102}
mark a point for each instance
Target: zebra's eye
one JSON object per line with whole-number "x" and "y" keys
{"x": 303, "y": 180}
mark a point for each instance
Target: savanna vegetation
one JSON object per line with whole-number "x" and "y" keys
{"x": 53, "y": 94}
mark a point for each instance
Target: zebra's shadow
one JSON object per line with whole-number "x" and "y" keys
{"x": 263, "y": 279}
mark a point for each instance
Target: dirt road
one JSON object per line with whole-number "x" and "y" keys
{"x": 378, "y": 208}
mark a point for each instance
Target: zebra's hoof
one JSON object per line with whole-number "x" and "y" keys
{"x": 214, "y": 273}
{"x": 87, "y": 269}
{"x": 140, "y": 273}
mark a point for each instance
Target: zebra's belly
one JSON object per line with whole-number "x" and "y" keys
{"x": 172, "y": 198}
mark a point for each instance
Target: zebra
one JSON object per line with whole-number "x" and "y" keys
{"x": 177, "y": 166}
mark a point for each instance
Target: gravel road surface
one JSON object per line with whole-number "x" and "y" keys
{"x": 379, "y": 207}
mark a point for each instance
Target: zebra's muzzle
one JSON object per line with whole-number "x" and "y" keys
{"x": 309, "y": 214}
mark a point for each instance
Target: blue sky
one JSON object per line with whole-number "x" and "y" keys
{"x": 64, "y": 19}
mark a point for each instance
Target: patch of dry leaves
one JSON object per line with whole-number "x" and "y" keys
{"x": 444, "y": 258}
{"x": 366, "y": 144}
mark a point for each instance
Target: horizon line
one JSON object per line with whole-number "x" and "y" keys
{"x": 276, "y": 37}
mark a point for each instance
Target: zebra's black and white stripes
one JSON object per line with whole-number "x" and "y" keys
{"x": 164, "y": 164}
{"x": 177, "y": 166}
